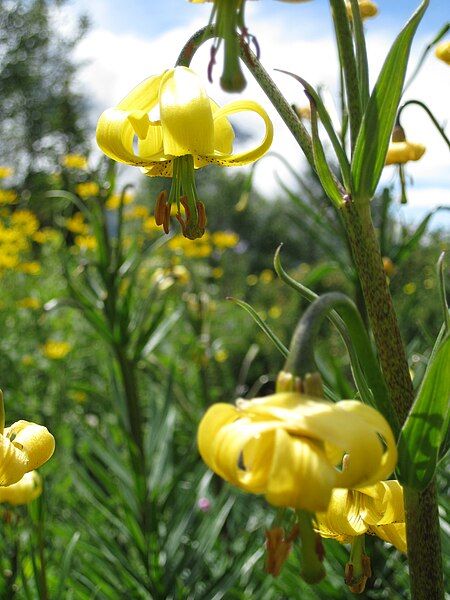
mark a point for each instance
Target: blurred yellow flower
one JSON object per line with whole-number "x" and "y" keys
{"x": 224, "y": 239}
{"x": 149, "y": 225}
{"x": 367, "y": 9}
{"x": 56, "y": 350}
{"x": 136, "y": 212}
{"x": 8, "y": 261}
{"x": 74, "y": 161}
{"x": 400, "y": 153}
{"x": 87, "y": 189}
{"x": 217, "y": 272}
{"x": 77, "y": 224}
{"x": 409, "y": 288}
{"x": 192, "y": 132}
{"x": 29, "y": 302}
{"x": 199, "y": 248}
{"x": 290, "y": 447}
{"x": 77, "y": 396}
{"x": 376, "y": 509}
{"x": 275, "y": 312}
{"x": 30, "y": 268}
{"x": 8, "y": 196}
{"x": 86, "y": 242}
{"x": 24, "y": 447}
{"x": 113, "y": 201}
{"x": 25, "y": 221}
{"x": 388, "y": 266}
{"x": 24, "y": 491}
{"x": 46, "y": 235}
{"x": 221, "y": 355}
{"x": 442, "y": 52}
{"x": 266, "y": 276}
{"x": 6, "y": 172}
{"x": 252, "y": 279}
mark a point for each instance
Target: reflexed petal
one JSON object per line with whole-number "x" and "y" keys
{"x": 244, "y": 158}
{"x": 301, "y": 476}
{"x": 186, "y": 114}
{"x": 13, "y": 462}
{"x": 394, "y": 533}
{"x": 213, "y": 420}
{"x": 383, "y": 503}
{"x": 342, "y": 517}
{"x": 115, "y": 130}
{"x": 223, "y": 131}
{"x": 24, "y": 491}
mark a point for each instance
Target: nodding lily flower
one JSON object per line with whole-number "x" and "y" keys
{"x": 290, "y": 447}
{"x": 400, "y": 153}
{"x": 443, "y": 52}
{"x": 376, "y": 509}
{"x": 24, "y": 446}
{"x": 191, "y": 132}
{"x": 24, "y": 491}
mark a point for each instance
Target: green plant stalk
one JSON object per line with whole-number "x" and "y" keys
{"x": 348, "y": 62}
{"x": 422, "y": 518}
{"x": 424, "y": 107}
{"x": 425, "y": 561}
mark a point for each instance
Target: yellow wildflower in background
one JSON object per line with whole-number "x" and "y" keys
{"x": 275, "y": 312}
{"x": 8, "y": 196}
{"x": 251, "y": 279}
{"x": 24, "y": 491}
{"x": 377, "y": 509}
{"x": 400, "y": 153}
{"x": 200, "y": 248}
{"x": 266, "y": 276}
{"x": 29, "y": 302}
{"x": 113, "y": 201}
{"x": 25, "y": 221}
{"x": 74, "y": 161}
{"x": 88, "y": 189}
{"x": 217, "y": 272}
{"x": 6, "y": 172}
{"x": 149, "y": 225}
{"x": 30, "y": 268}
{"x": 77, "y": 224}
{"x": 221, "y": 355}
{"x": 224, "y": 239}
{"x": 24, "y": 446}
{"x": 410, "y": 288}
{"x": 136, "y": 212}
{"x": 192, "y": 132}
{"x": 86, "y": 242}
{"x": 290, "y": 447}
{"x": 78, "y": 396}
{"x": 367, "y": 9}
{"x": 442, "y": 52}
{"x": 56, "y": 350}
{"x": 46, "y": 235}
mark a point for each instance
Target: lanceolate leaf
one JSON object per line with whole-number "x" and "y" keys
{"x": 427, "y": 424}
{"x": 379, "y": 117}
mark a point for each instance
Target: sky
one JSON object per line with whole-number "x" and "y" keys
{"x": 130, "y": 41}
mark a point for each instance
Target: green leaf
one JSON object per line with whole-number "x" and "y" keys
{"x": 426, "y": 426}
{"x": 66, "y": 564}
{"x": 379, "y": 117}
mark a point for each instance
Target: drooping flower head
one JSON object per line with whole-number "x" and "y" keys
{"x": 191, "y": 132}
{"x": 443, "y": 52}
{"x": 24, "y": 446}
{"x": 400, "y": 153}
{"x": 367, "y": 9}
{"x": 290, "y": 447}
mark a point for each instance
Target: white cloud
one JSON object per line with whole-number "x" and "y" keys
{"x": 117, "y": 62}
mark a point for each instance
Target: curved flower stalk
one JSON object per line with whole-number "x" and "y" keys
{"x": 442, "y": 52}
{"x": 377, "y": 510}
{"x": 400, "y": 153}
{"x": 191, "y": 132}
{"x": 290, "y": 447}
{"x": 24, "y": 491}
{"x": 24, "y": 446}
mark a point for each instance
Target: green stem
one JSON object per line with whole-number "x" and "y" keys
{"x": 429, "y": 113}
{"x": 347, "y": 58}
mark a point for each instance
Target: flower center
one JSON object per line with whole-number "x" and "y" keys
{"x": 183, "y": 193}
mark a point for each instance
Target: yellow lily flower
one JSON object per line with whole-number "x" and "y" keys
{"x": 192, "y": 132}
{"x": 24, "y": 491}
{"x": 290, "y": 447}
{"x": 400, "y": 153}
{"x": 24, "y": 447}
{"x": 442, "y": 52}
{"x": 376, "y": 509}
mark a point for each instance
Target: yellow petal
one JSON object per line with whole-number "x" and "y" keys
{"x": 300, "y": 475}
{"x": 24, "y": 491}
{"x": 36, "y": 441}
{"x": 116, "y": 133}
{"x": 213, "y": 420}
{"x": 402, "y": 152}
{"x": 343, "y": 517}
{"x": 13, "y": 462}
{"x": 244, "y": 158}
{"x": 186, "y": 115}
{"x": 395, "y": 534}
{"x": 383, "y": 503}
